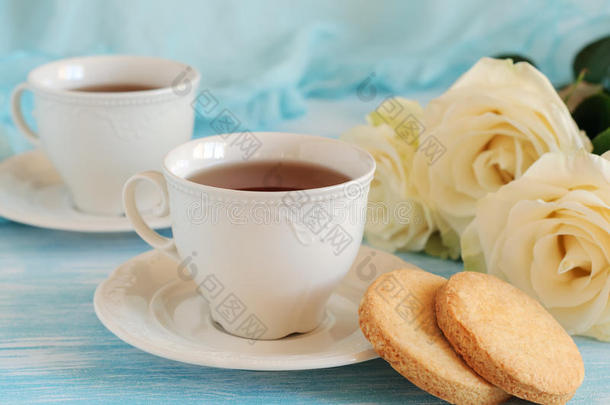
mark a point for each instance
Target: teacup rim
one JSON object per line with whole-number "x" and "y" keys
{"x": 195, "y": 77}
{"x": 362, "y": 180}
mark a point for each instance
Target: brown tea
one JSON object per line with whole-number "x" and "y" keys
{"x": 269, "y": 176}
{"x": 115, "y": 88}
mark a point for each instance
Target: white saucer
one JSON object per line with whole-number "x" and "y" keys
{"x": 147, "y": 305}
{"x": 31, "y": 192}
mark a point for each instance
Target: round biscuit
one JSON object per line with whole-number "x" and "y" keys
{"x": 509, "y": 338}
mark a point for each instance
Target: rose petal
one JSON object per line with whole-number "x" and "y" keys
{"x": 579, "y": 319}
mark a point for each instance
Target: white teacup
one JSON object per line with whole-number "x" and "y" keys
{"x": 266, "y": 261}
{"x": 96, "y": 140}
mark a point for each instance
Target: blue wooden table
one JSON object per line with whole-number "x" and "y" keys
{"x": 53, "y": 348}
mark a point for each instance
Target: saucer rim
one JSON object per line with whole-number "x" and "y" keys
{"x": 240, "y": 362}
{"x": 109, "y": 225}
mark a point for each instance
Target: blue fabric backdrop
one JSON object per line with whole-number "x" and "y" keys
{"x": 264, "y": 58}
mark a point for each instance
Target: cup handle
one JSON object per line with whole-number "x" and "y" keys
{"x": 18, "y": 119}
{"x": 153, "y": 238}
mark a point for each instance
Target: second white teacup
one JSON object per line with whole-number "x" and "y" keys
{"x": 101, "y": 119}
{"x": 266, "y": 261}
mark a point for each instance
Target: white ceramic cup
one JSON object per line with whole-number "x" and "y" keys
{"x": 96, "y": 140}
{"x": 266, "y": 262}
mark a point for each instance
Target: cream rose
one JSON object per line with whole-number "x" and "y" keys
{"x": 548, "y": 233}
{"x": 484, "y": 132}
{"x": 396, "y": 217}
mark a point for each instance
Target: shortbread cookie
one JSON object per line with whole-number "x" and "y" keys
{"x": 509, "y": 338}
{"x": 397, "y": 317}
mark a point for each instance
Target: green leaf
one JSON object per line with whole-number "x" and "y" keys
{"x": 516, "y": 58}
{"x": 595, "y": 58}
{"x": 601, "y": 143}
{"x": 593, "y": 114}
